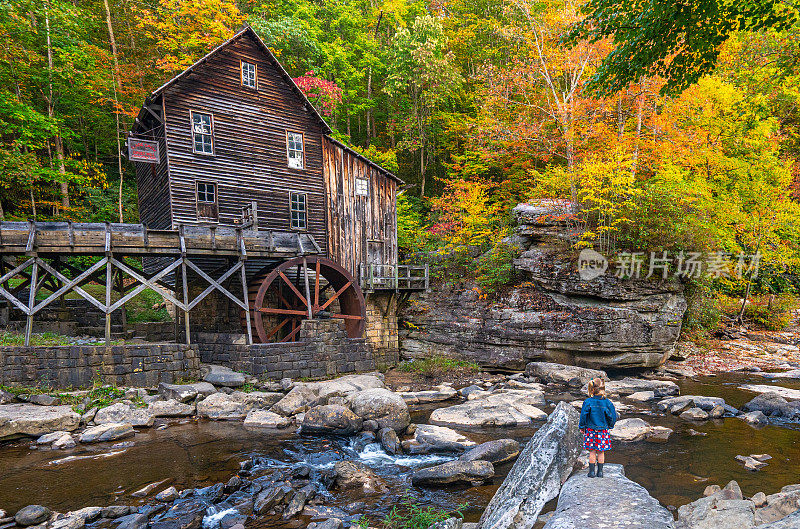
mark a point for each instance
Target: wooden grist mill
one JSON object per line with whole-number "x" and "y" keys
{"x": 253, "y": 218}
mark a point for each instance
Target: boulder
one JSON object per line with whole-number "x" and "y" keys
{"x": 786, "y": 393}
{"x": 750, "y": 463}
{"x": 331, "y": 419}
{"x": 698, "y": 401}
{"x": 355, "y": 475}
{"x": 642, "y": 396}
{"x": 64, "y": 442}
{"x": 495, "y": 452}
{"x": 389, "y": 441}
{"x": 49, "y": 438}
{"x": 694, "y": 414}
{"x": 725, "y": 509}
{"x": 507, "y": 407}
{"x": 793, "y": 373}
{"x": 266, "y": 419}
{"x": 221, "y": 406}
{"x": 32, "y": 515}
{"x": 584, "y": 504}
{"x": 439, "y": 394}
{"x": 717, "y": 412}
{"x": 629, "y": 386}
{"x": 107, "y": 432}
{"x": 167, "y": 495}
{"x": 755, "y": 418}
{"x": 630, "y": 430}
{"x": 269, "y": 497}
{"x": 454, "y": 472}
{"x": 298, "y": 501}
{"x": 170, "y": 408}
{"x": 549, "y": 372}
{"x": 124, "y": 413}
{"x": 6, "y": 397}
{"x": 32, "y": 420}
{"x": 538, "y": 473}
{"x": 388, "y": 409}
{"x": 450, "y": 523}
{"x": 658, "y": 434}
{"x": 777, "y": 506}
{"x": 774, "y": 405}
{"x": 431, "y": 438}
{"x": 306, "y": 395}
{"x": 789, "y": 522}
{"x": 223, "y": 376}
{"x": 185, "y": 392}
{"x": 44, "y": 400}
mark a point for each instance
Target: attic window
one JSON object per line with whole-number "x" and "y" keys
{"x": 249, "y": 75}
{"x": 294, "y": 150}
{"x": 202, "y": 133}
{"x": 362, "y": 187}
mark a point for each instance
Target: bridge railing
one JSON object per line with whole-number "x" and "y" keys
{"x": 395, "y": 277}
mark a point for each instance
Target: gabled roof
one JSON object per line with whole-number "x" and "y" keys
{"x": 246, "y": 30}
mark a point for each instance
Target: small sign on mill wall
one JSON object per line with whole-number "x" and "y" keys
{"x": 143, "y": 151}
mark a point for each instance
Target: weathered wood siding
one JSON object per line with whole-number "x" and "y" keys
{"x": 152, "y": 183}
{"x": 249, "y": 161}
{"x": 356, "y": 221}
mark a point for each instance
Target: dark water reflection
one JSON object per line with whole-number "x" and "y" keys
{"x": 195, "y": 454}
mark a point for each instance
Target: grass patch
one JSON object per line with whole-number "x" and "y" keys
{"x": 148, "y": 306}
{"x": 438, "y": 365}
{"x": 410, "y": 515}
{"x": 45, "y": 338}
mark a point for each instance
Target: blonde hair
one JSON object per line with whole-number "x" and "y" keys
{"x": 597, "y": 387}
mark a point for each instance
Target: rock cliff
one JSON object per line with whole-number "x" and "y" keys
{"x": 552, "y": 315}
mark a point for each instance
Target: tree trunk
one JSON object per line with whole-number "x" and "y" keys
{"x": 740, "y": 318}
{"x": 422, "y": 170}
{"x": 369, "y": 108}
{"x": 638, "y": 134}
{"x": 64, "y": 186}
{"x": 117, "y": 84}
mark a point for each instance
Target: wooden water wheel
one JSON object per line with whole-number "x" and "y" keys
{"x": 302, "y": 288}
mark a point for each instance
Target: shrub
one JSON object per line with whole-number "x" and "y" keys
{"x": 438, "y": 365}
{"x": 496, "y": 267}
{"x": 703, "y": 313}
{"x": 410, "y": 515}
{"x": 773, "y": 313}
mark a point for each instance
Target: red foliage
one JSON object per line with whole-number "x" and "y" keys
{"x": 325, "y": 95}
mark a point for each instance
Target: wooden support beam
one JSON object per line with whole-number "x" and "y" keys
{"x": 31, "y": 302}
{"x": 187, "y": 328}
{"x": 308, "y": 289}
{"x": 108, "y": 297}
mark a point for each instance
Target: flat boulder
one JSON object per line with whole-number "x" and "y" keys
{"x": 630, "y": 430}
{"x": 584, "y": 503}
{"x": 305, "y": 395}
{"x": 438, "y": 394}
{"x": 107, "y": 432}
{"x": 495, "y": 452}
{"x": 549, "y": 372}
{"x": 694, "y": 414}
{"x": 223, "y": 376}
{"x": 170, "y": 408}
{"x": 629, "y": 386}
{"x": 506, "y": 407}
{"x": 266, "y": 419}
{"x": 185, "y": 392}
{"x": 689, "y": 401}
{"x": 124, "y": 413}
{"x": 537, "y": 475}
{"x": 29, "y": 419}
{"x": 431, "y": 438}
{"x": 773, "y": 405}
{"x": 388, "y": 409}
{"x": 786, "y": 393}
{"x": 331, "y": 419}
{"x": 454, "y": 472}
{"x": 724, "y": 509}
{"x": 236, "y": 406}
{"x": 32, "y": 515}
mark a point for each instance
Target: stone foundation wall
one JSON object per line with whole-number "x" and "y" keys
{"x": 72, "y": 317}
{"x": 322, "y": 350}
{"x": 75, "y": 366}
{"x": 381, "y": 328}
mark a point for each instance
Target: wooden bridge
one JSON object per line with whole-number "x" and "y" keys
{"x": 36, "y": 256}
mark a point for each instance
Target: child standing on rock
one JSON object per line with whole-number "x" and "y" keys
{"x": 598, "y": 416}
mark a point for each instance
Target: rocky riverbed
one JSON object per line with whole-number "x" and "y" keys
{"x": 228, "y": 450}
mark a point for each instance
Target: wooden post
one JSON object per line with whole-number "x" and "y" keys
{"x": 185, "y": 288}
{"x": 245, "y": 292}
{"x": 109, "y": 284}
{"x": 31, "y": 301}
{"x": 308, "y": 290}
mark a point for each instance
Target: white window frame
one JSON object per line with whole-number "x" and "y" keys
{"x": 293, "y": 210}
{"x": 361, "y": 187}
{"x": 192, "y": 114}
{"x": 292, "y": 137}
{"x": 242, "y": 76}
{"x": 199, "y": 183}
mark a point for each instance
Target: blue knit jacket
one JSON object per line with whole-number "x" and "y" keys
{"x": 597, "y": 413}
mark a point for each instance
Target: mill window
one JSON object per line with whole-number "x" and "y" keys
{"x": 203, "y": 133}
{"x": 362, "y": 187}
{"x": 298, "y": 211}
{"x": 206, "y": 193}
{"x": 249, "y": 75}
{"x": 294, "y": 149}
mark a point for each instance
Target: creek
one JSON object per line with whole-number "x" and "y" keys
{"x": 195, "y": 454}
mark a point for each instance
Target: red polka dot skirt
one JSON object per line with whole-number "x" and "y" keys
{"x": 596, "y": 439}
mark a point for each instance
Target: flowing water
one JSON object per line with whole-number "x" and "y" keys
{"x": 194, "y": 454}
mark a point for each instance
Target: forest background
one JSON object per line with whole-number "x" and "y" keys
{"x": 477, "y": 104}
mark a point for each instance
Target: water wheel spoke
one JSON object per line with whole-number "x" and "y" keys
{"x": 346, "y": 316}
{"x": 277, "y": 328}
{"x": 288, "y": 337}
{"x": 286, "y": 312}
{"x": 294, "y": 288}
{"x": 336, "y": 295}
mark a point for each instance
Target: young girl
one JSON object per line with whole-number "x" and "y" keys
{"x": 597, "y": 418}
